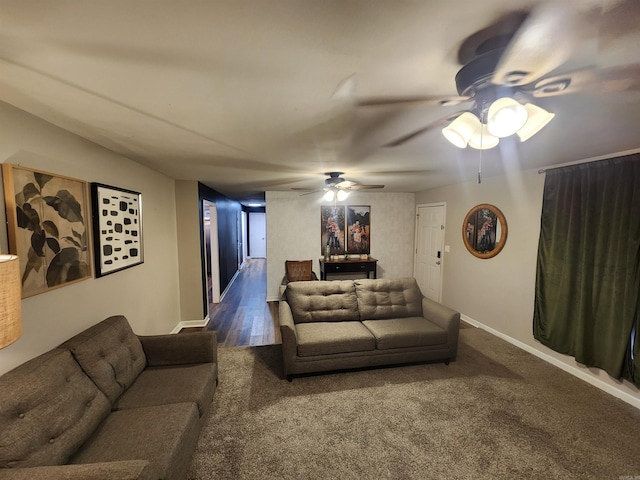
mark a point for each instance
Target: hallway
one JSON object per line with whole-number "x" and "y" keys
{"x": 244, "y": 317}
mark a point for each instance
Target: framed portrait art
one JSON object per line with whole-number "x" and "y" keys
{"x": 48, "y": 226}
{"x": 117, "y": 228}
{"x": 332, "y": 230}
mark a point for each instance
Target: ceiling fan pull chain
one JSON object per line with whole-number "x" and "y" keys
{"x": 480, "y": 158}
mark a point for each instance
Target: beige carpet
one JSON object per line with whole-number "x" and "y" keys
{"x": 496, "y": 413}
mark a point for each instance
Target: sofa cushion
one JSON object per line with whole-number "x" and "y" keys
{"x": 48, "y": 408}
{"x": 110, "y": 353}
{"x": 175, "y": 384}
{"x": 405, "y": 332}
{"x": 322, "y": 301}
{"x": 164, "y": 435}
{"x": 388, "y": 298}
{"x": 325, "y": 338}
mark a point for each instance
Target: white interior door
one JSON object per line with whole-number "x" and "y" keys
{"x": 257, "y": 235}
{"x": 429, "y": 247}
{"x": 212, "y": 258}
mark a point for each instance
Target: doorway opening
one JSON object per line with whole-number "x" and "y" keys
{"x": 212, "y": 261}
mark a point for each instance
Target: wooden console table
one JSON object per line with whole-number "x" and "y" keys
{"x": 348, "y": 266}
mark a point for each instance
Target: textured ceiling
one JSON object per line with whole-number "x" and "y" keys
{"x": 248, "y": 96}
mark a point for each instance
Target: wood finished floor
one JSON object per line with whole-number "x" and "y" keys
{"x": 244, "y": 317}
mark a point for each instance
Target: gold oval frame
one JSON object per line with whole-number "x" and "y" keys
{"x": 499, "y": 244}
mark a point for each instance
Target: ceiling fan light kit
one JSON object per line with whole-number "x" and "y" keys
{"x": 505, "y": 117}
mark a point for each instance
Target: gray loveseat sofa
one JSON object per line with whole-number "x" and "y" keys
{"x": 362, "y": 323}
{"x": 108, "y": 404}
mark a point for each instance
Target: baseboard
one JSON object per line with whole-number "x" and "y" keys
{"x": 190, "y": 324}
{"x": 576, "y": 372}
{"x": 229, "y": 284}
{"x": 273, "y": 299}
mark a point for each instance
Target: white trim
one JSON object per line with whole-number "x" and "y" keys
{"x": 235, "y": 275}
{"x": 610, "y": 389}
{"x": 591, "y": 159}
{"x": 273, "y": 299}
{"x": 190, "y": 324}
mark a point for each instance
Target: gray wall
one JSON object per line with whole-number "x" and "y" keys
{"x": 498, "y": 293}
{"x": 147, "y": 294}
{"x": 293, "y": 232}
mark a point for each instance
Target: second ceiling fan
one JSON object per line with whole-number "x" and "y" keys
{"x": 338, "y": 188}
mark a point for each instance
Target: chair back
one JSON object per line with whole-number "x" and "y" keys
{"x": 299, "y": 270}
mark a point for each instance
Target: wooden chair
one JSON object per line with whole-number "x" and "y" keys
{"x": 298, "y": 271}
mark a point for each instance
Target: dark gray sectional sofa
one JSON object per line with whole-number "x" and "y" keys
{"x": 108, "y": 404}
{"x": 362, "y": 323}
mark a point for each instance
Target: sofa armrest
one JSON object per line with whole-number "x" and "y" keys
{"x": 445, "y": 318}
{"x": 180, "y": 349}
{"x": 289, "y": 336}
{"x": 123, "y": 470}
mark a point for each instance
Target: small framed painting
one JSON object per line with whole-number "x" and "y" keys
{"x": 117, "y": 228}
{"x": 48, "y": 226}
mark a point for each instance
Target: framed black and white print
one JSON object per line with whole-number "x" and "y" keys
{"x": 117, "y": 227}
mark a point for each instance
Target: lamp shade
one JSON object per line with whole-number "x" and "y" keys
{"x": 342, "y": 195}
{"x": 537, "y": 118}
{"x": 482, "y": 139}
{"x": 10, "y": 298}
{"x": 328, "y": 196}
{"x": 505, "y": 117}
{"x": 459, "y": 131}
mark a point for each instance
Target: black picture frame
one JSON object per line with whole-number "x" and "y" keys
{"x": 117, "y": 228}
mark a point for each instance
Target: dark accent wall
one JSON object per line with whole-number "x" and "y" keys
{"x": 228, "y": 212}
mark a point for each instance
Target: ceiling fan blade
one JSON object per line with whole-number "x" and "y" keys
{"x": 608, "y": 80}
{"x": 439, "y": 99}
{"x": 545, "y": 41}
{"x": 438, "y": 123}
{"x": 365, "y": 187}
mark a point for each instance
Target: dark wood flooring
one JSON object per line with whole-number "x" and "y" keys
{"x": 244, "y": 317}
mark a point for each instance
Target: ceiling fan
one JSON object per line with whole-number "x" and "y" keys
{"x": 509, "y": 64}
{"x": 337, "y": 188}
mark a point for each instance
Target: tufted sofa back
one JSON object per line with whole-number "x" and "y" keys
{"x": 48, "y": 409}
{"x": 110, "y": 353}
{"x": 388, "y": 298}
{"x": 322, "y": 301}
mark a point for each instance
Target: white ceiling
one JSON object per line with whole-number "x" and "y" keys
{"x": 239, "y": 94}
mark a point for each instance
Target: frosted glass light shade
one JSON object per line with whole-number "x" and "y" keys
{"x": 505, "y": 117}
{"x": 342, "y": 195}
{"x": 328, "y": 196}
{"x": 460, "y": 131}
{"x": 10, "y": 300}
{"x": 537, "y": 119}
{"x": 482, "y": 139}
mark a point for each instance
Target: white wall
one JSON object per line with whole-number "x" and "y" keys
{"x": 146, "y": 294}
{"x": 293, "y": 232}
{"x": 498, "y": 293}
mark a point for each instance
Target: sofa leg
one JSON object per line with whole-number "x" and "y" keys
{"x": 447, "y": 361}
{"x": 289, "y": 378}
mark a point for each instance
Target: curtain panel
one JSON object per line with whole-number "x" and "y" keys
{"x": 588, "y": 272}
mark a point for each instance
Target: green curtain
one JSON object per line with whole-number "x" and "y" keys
{"x": 588, "y": 273}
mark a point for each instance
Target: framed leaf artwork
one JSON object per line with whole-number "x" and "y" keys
{"x": 48, "y": 220}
